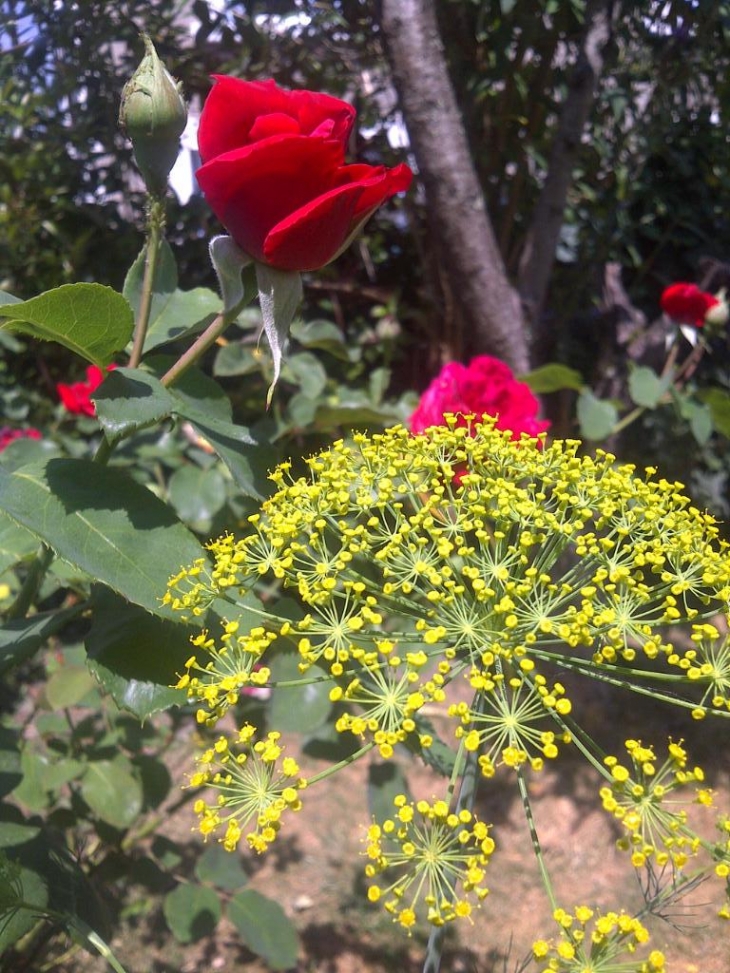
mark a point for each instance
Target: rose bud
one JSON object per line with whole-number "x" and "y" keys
{"x": 719, "y": 313}
{"x": 153, "y": 115}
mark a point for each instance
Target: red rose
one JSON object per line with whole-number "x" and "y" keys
{"x": 273, "y": 172}
{"x": 485, "y": 387}
{"x": 8, "y": 435}
{"x": 687, "y": 303}
{"x": 77, "y": 397}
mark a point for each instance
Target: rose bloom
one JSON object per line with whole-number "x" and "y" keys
{"x": 687, "y": 303}
{"x": 77, "y": 396}
{"x": 8, "y": 435}
{"x": 486, "y": 386}
{"x": 273, "y": 172}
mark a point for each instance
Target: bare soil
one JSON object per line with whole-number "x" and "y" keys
{"x": 314, "y": 872}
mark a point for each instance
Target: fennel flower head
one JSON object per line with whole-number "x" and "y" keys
{"x": 461, "y": 570}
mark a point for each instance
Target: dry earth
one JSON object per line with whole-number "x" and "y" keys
{"x": 315, "y": 874}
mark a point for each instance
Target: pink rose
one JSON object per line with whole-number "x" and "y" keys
{"x": 687, "y": 304}
{"x": 77, "y": 396}
{"x": 486, "y": 386}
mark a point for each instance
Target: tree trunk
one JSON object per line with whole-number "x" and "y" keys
{"x": 538, "y": 256}
{"x": 488, "y": 305}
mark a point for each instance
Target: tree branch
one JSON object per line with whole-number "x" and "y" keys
{"x": 542, "y": 238}
{"x": 488, "y": 305}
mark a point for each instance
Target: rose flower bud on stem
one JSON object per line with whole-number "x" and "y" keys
{"x": 153, "y": 115}
{"x": 688, "y": 304}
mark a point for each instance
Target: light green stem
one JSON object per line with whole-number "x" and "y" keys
{"x": 465, "y": 800}
{"x": 211, "y": 334}
{"x": 524, "y": 795}
{"x": 31, "y": 586}
{"x": 334, "y": 768}
{"x": 155, "y": 229}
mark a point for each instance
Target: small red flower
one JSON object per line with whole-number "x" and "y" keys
{"x": 486, "y": 386}
{"x": 687, "y": 304}
{"x": 77, "y": 396}
{"x": 8, "y": 435}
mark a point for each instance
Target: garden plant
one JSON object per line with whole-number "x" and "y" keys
{"x": 440, "y": 582}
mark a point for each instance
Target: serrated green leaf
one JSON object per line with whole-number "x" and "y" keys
{"x": 646, "y": 387}
{"x": 248, "y": 459}
{"x": 265, "y": 928}
{"x": 236, "y": 359}
{"x": 131, "y": 399}
{"x": 303, "y": 708}
{"x": 136, "y": 657}
{"x": 700, "y": 423}
{"x": 553, "y": 378}
{"x": 185, "y": 313}
{"x": 173, "y": 313}
{"x": 597, "y": 417}
{"x": 21, "y": 638}
{"x": 23, "y": 451}
{"x": 194, "y": 392}
{"x": 220, "y": 868}
{"x": 32, "y": 791}
{"x": 307, "y": 372}
{"x": 323, "y": 335}
{"x": 197, "y": 495}
{"x": 67, "y": 686}
{"x": 192, "y": 912}
{"x": 91, "y": 320}
{"x": 103, "y": 522}
{"x": 113, "y": 791}
{"x": 163, "y": 283}
{"x": 719, "y": 402}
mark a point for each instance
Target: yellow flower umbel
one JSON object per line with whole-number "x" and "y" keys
{"x": 253, "y": 784}
{"x": 593, "y": 943}
{"x": 644, "y": 800}
{"x": 463, "y": 573}
{"x": 438, "y": 856}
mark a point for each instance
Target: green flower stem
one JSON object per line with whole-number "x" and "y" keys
{"x": 100, "y": 946}
{"x": 208, "y": 338}
{"x": 626, "y": 680}
{"x": 31, "y": 586}
{"x": 466, "y": 765}
{"x": 155, "y": 230}
{"x": 524, "y": 795}
{"x": 329, "y": 771}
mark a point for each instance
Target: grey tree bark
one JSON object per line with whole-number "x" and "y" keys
{"x": 488, "y": 305}
{"x": 538, "y": 256}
